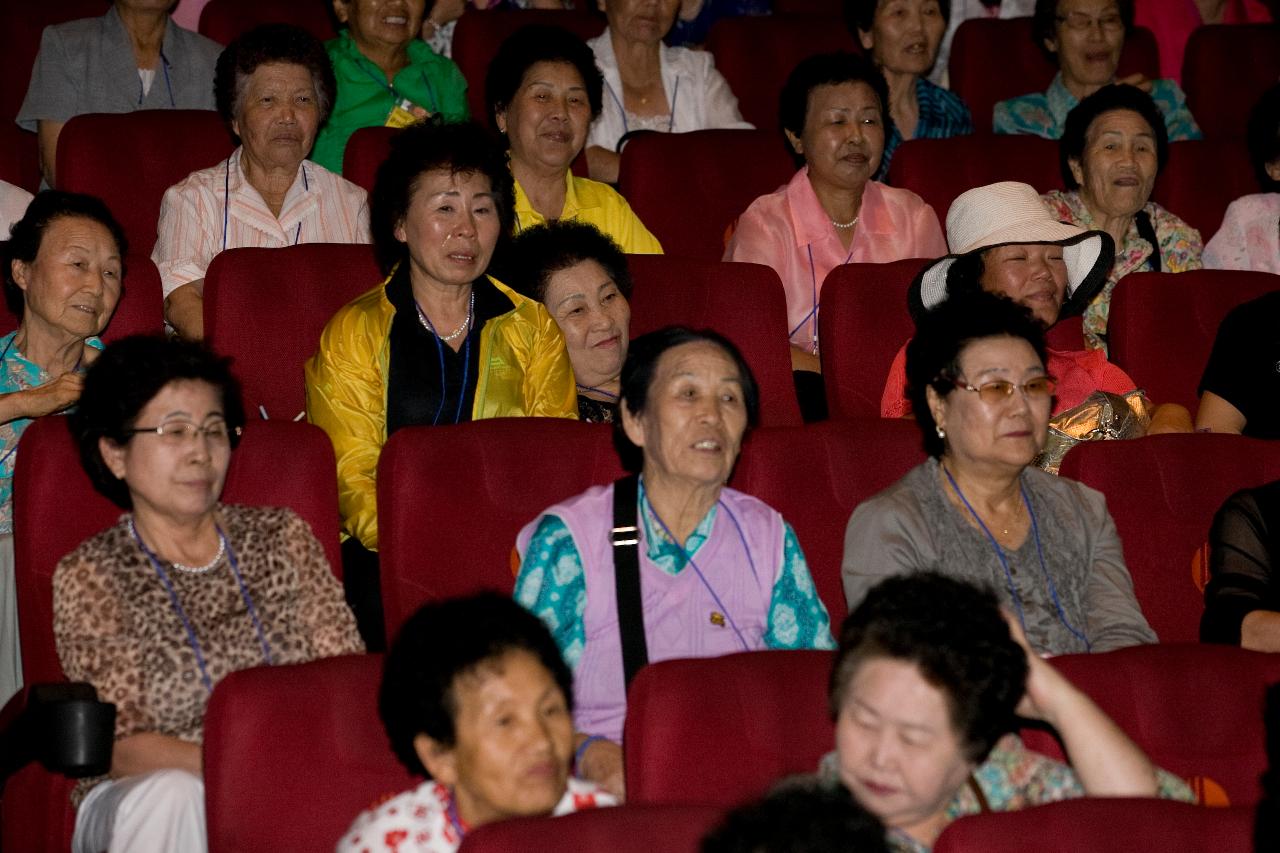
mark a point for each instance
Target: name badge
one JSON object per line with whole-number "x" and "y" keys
{"x": 404, "y": 113}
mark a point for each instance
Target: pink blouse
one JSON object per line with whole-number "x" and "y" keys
{"x": 790, "y": 231}
{"x": 1249, "y": 238}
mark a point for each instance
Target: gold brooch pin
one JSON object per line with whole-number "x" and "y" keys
{"x": 717, "y": 618}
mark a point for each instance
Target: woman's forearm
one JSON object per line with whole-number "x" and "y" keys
{"x": 148, "y": 751}
{"x": 1260, "y": 631}
{"x": 1107, "y": 762}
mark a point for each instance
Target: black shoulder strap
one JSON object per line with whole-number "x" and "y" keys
{"x": 1147, "y": 231}
{"x": 625, "y": 537}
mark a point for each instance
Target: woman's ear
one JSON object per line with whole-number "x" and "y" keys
{"x": 19, "y": 270}
{"x": 631, "y": 425}
{"x": 113, "y": 456}
{"x": 342, "y": 9}
{"x": 867, "y": 38}
{"x": 1273, "y": 169}
{"x": 399, "y": 233}
{"x": 1077, "y": 171}
{"x": 796, "y": 144}
{"x": 937, "y": 406}
{"x": 500, "y": 119}
{"x": 1051, "y": 45}
{"x": 440, "y": 760}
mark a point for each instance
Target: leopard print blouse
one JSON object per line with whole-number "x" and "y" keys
{"x": 116, "y": 628}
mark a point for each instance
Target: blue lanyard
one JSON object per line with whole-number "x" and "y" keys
{"x": 164, "y": 66}
{"x": 813, "y": 312}
{"x": 466, "y": 364}
{"x": 192, "y": 640}
{"x": 746, "y": 647}
{"x": 395, "y": 93}
{"x": 226, "y": 204}
{"x": 671, "y": 123}
{"x": 1004, "y": 562}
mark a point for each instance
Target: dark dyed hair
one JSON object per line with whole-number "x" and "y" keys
{"x": 828, "y": 69}
{"x": 1264, "y": 137}
{"x": 799, "y": 817}
{"x": 1116, "y": 96}
{"x": 447, "y": 640}
{"x": 266, "y": 44}
{"x": 539, "y": 253}
{"x": 1044, "y": 22}
{"x": 943, "y": 334}
{"x": 126, "y": 376}
{"x": 953, "y": 632}
{"x": 859, "y": 15}
{"x": 27, "y": 234}
{"x": 525, "y": 48}
{"x": 640, "y": 365}
{"x": 460, "y": 149}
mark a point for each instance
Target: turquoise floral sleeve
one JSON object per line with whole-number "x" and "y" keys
{"x": 551, "y": 585}
{"x": 797, "y": 617}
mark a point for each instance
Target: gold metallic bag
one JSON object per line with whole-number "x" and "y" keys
{"x": 1101, "y": 417}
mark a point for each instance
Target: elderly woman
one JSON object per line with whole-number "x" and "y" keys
{"x": 386, "y": 75}
{"x": 709, "y": 571}
{"x": 274, "y": 87}
{"x": 476, "y": 698}
{"x": 438, "y": 342}
{"x": 543, "y": 90}
{"x": 1086, "y": 37}
{"x": 977, "y": 509}
{"x": 62, "y": 271}
{"x": 926, "y": 690}
{"x": 1006, "y": 243}
{"x": 581, "y": 276}
{"x": 1249, "y": 238}
{"x": 835, "y": 108}
{"x": 902, "y": 37}
{"x": 1111, "y": 151}
{"x": 650, "y": 86}
{"x": 1242, "y": 601}
{"x": 132, "y": 58}
{"x": 160, "y": 607}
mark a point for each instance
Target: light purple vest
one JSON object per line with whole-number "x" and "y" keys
{"x": 681, "y": 617}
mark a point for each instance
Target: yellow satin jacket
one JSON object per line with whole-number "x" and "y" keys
{"x": 524, "y": 371}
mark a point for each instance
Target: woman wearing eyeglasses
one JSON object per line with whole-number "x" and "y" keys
{"x": 183, "y": 590}
{"x": 1085, "y": 39}
{"x": 978, "y": 509}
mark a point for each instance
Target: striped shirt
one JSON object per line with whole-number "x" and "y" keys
{"x": 217, "y": 208}
{"x": 941, "y": 115}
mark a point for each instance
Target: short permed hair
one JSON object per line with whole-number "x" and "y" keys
{"x": 525, "y": 48}
{"x": 126, "y": 376}
{"x": 808, "y": 816}
{"x": 1264, "y": 137}
{"x": 828, "y": 69}
{"x": 1116, "y": 96}
{"x": 538, "y": 253}
{"x": 460, "y": 149}
{"x": 859, "y": 15}
{"x": 954, "y": 634}
{"x": 944, "y": 333}
{"x": 263, "y": 45}
{"x": 447, "y": 640}
{"x": 638, "y": 370}
{"x": 27, "y": 234}
{"x": 1044, "y": 23}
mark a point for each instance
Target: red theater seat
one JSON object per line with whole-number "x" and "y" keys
{"x": 1201, "y": 178}
{"x": 276, "y": 464}
{"x": 719, "y": 172}
{"x": 1103, "y": 826}
{"x": 743, "y": 302}
{"x": 366, "y": 149}
{"x": 1162, "y": 326}
{"x": 624, "y": 829}
{"x": 266, "y": 309}
{"x": 817, "y": 474}
{"x": 1163, "y": 491}
{"x": 293, "y": 753}
{"x": 223, "y": 20}
{"x": 1195, "y": 710}
{"x": 996, "y": 59}
{"x": 756, "y": 74}
{"x": 720, "y": 731}
{"x": 863, "y": 323}
{"x": 90, "y": 161}
{"x": 21, "y": 26}
{"x": 451, "y": 500}
{"x": 478, "y": 35}
{"x": 938, "y": 170}
{"x": 1225, "y": 69}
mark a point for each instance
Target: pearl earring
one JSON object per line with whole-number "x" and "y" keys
{"x": 942, "y": 433}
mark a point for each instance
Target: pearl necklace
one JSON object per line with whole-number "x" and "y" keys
{"x": 845, "y": 226}
{"x": 466, "y": 324}
{"x": 192, "y": 570}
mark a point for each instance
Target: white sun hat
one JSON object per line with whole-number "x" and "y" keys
{"x": 1009, "y": 213}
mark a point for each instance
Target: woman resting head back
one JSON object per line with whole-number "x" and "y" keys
{"x": 476, "y": 698}
{"x": 927, "y": 688}
{"x": 581, "y": 276}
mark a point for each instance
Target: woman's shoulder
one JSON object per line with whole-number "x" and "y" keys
{"x": 198, "y": 49}
{"x": 899, "y": 199}
{"x": 743, "y": 502}
{"x": 328, "y": 181}
{"x": 595, "y": 193}
{"x": 682, "y": 59}
{"x": 905, "y": 497}
{"x": 526, "y": 313}
{"x": 364, "y": 315}
{"x": 400, "y": 819}
{"x": 270, "y": 521}
{"x": 1065, "y": 490}
{"x": 1256, "y": 205}
{"x": 99, "y": 553}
